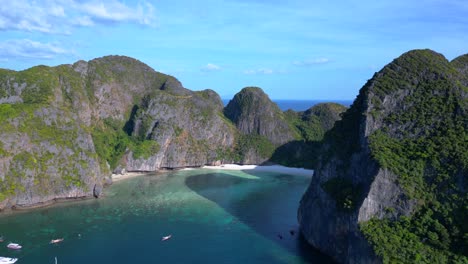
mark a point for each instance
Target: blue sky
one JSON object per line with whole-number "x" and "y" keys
{"x": 292, "y": 49}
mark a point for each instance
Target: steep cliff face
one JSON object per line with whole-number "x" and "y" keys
{"x": 46, "y": 151}
{"x": 311, "y": 125}
{"x": 262, "y": 125}
{"x": 392, "y": 176}
{"x": 254, "y": 113}
{"x": 191, "y": 132}
{"x": 65, "y": 128}
{"x": 165, "y": 125}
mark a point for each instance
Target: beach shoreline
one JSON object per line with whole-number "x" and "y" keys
{"x": 269, "y": 168}
{"x": 133, "y": 174}
{"x": 129, "y": 175}
{"x": 236, "y": 167}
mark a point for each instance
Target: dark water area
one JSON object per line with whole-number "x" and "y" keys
{"x": 301, "y": 105}
{"x": 214, "y": 216}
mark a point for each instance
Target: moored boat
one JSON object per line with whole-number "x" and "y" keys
{"x": 55, "y": 241}
{"x": 5, "y": 260}
{"x": 164, "y": 238}
{"x": 14, "y": 246}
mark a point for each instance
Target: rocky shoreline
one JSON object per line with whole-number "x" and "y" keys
{"x": 125, "y": 175}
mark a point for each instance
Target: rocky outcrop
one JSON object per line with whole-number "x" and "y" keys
{"x": 65, "y": 128}
{"x": 262, "y": 125}
{"x": 325, "y": 114}
{"x": 190, "y": 130}
{"x": 46, "y": 151}
{"x": 254, "y": 113}
{"x": 311, "y": 125}
{"x": 360, "y": 176}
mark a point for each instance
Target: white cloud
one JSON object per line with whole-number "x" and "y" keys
{"x": 26, "y": 48}
{"x": 25, "y": 16}
{"x": 259, "y": 71}
{"x": 211, "y": 67}
{"x": 115, "y": 11}
{"x": 57, "y": 16}
{"x": 305, "y": 63}
{"x": 83, "y": 21}
{"x": 57, "y": 11}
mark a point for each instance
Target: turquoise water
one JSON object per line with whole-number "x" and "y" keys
{"x": 213, "y": 216}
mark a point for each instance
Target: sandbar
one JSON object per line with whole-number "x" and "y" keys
{"x": 269, "y": 168}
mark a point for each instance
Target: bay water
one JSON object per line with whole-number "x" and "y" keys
{"x": 214, "y": 216}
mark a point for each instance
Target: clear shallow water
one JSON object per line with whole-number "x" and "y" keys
{"x": 213, "y": 216}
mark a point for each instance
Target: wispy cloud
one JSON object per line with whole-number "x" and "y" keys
{"x": 210, "y": 67}
{"x": 84, "y": 21}
{"x": 306, "y": 63}
{"x": 26, "y": 48}
{"x": 115, "y": 11}
{"x": 57, "y": 16}
{"x": 259, "y": 71}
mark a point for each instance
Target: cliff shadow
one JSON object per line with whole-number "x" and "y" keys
{"x": 264, "y": 206}
{"x": 298, "y": 153}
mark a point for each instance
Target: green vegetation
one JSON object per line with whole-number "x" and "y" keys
{"x": 3, "y": 152}
{"x": 27, "y": 120}
{"x": 111, "y": 141}
{"x": 426, "y": 145}
{"x": 110, "y": 144}
{"x": 257, "y": 143}
{"x": 344, "y": 192}
{"x": 421, "y": 238}
{"x": 40, "y": 82}
{"x": 144, "y": 149}
{"x": 311, "y": 127}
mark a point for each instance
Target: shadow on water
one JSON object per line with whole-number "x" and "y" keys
{"x": 269, "y": 207}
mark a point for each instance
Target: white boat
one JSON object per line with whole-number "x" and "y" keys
{"x": 14, "y": 246}
{"x": 5, "y": 260}
{"x": 55, "y": 241}
{"x": 164, "y": 238}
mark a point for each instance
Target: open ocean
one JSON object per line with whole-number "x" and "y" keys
{"x": 214, "y": 216}
{"x": 301, "y": 105}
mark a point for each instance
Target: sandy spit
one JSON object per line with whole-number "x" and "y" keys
{"x": 270, "y": 168}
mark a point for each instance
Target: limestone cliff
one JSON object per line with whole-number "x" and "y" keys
{"x": 311, "y": 125}
{"x": 191, "y": 132}
{"x": 396, "y": 161}
{"x": 46, "y": 150}
{"x": 65, "y": 128}
{"x": 260, "y": 121}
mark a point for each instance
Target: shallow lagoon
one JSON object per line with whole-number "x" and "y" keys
{"x": 214, "y": 216}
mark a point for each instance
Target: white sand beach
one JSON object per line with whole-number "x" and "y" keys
{"x": 127, "y": 175}
{"x": 234, "y": 167}
{"x": 270, "y": 168}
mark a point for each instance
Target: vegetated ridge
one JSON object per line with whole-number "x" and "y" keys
{"x": 65, "y": 129}
{"x": 391, "y": 185}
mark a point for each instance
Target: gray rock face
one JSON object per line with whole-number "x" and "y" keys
{"x": 254, "y": 113}
{"x": 332, "y": 227}
{"x": 189, "y": 129}
{"x": 48, "y": 115}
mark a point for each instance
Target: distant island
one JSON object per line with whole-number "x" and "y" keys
{"x": 390, "y": 181}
